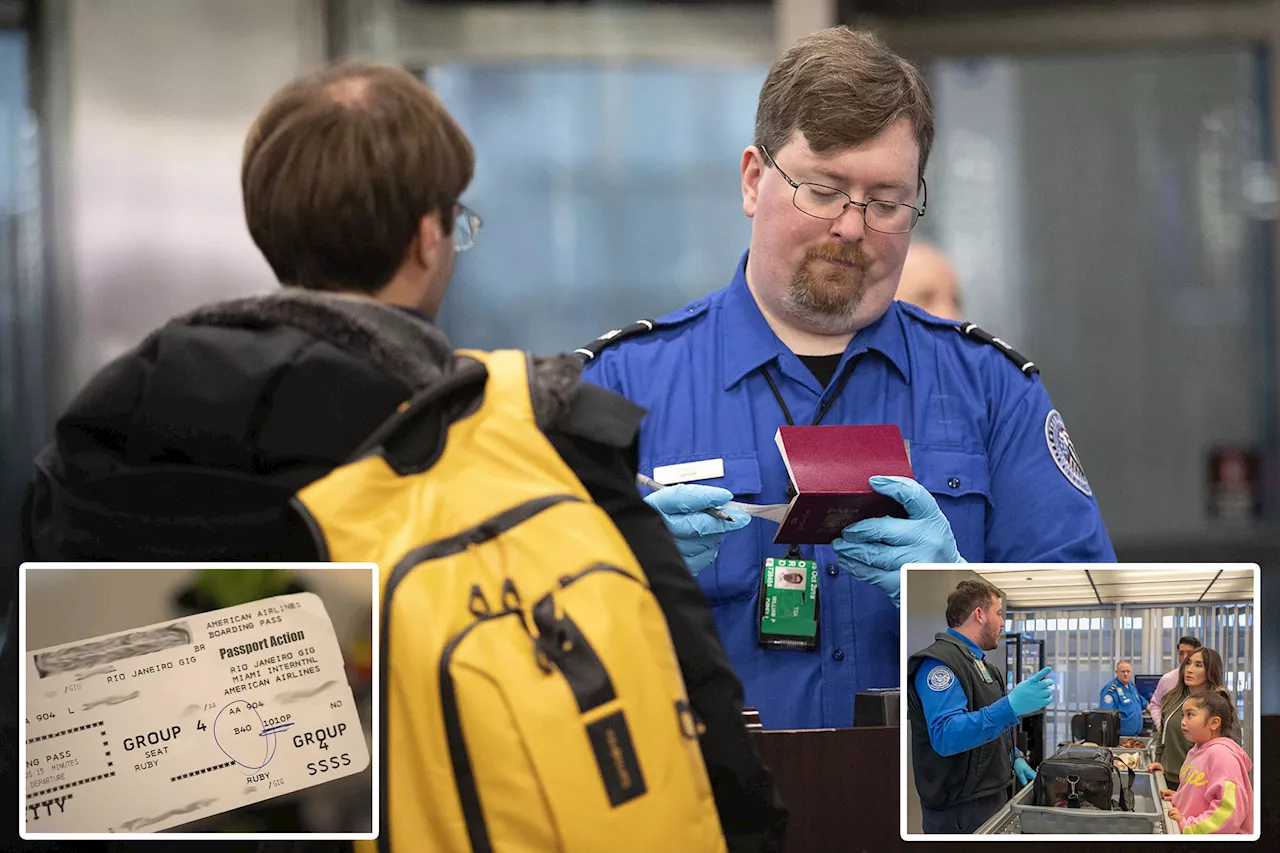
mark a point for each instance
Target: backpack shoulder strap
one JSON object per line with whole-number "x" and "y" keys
{"x": 412, "y": 438}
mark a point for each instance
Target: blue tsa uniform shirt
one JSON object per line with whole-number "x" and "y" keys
{"x": 984, "y": 439}
{"x": 953, "y": 729}
{"x": 1126, "y": 700}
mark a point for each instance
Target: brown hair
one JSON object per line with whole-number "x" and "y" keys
{"x": 339, "y": 169}
{"x": 841, "y": 87}
{"x": 1217, "y": 703}
{"x": 965, "y": 598}
{"x": 1212, "y": 673}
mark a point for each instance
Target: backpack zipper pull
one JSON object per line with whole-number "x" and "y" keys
{"x": 478, "y": 604}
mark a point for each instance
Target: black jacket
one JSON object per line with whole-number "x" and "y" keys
{"x": 276, "y": 391}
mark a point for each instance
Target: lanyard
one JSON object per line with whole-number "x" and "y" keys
{"x": 822, "y": 411}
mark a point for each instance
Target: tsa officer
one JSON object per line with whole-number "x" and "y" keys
{"x": 962, "y": 749}
{"x": 807, "y": 332}
{"x": 1120, "y": 694}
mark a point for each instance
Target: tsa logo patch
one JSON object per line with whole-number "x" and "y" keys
{"x": 940, "y": 678}
{"x": 1064, "y": 452}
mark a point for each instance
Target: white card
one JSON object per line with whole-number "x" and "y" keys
{"x": 143, "y": 730}
{"x": 772, "y": 512}
{"x": 704, "y": 469}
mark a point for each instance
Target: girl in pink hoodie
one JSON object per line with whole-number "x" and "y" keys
{"x": 1214, "y": 792}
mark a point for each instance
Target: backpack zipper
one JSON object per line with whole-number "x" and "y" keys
{"x": 480, "y": 533}
{"x": 464, "y": 775}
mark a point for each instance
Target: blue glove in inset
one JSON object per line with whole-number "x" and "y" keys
{"x": 697, "y": 534}
{"x": 1023, "y": 771}
{"x": 1032, "y": 695}
{"x": 875, "y": 549}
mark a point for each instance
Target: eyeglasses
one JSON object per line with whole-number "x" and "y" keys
{"x": 822, "y": 202}
{"x": 466, "y": 227}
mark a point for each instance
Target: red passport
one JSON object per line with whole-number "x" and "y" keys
{"x": 830, "y": 468}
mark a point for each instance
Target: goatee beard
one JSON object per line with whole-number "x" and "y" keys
{"x": 828, "y": 295}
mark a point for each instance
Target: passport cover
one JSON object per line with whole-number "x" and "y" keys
{"x": 830, "y": 468}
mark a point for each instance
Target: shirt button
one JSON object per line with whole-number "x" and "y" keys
{"x": 833, "y": 569}
{"x": 954, "y": 482}
{"x": 838, "y": 655}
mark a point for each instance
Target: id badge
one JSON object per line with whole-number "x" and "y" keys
{"x": 788, "y": 608}
{"x": 982, "y": 670}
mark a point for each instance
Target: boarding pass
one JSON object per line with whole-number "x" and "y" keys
{"x": 156, "y": 727}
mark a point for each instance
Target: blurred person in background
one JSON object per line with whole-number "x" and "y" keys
{"x": 808, "y": 332}
{"x": 189, "y": 446}
{"x": 1186, "y": 645}
{"x": 929, "y": 281}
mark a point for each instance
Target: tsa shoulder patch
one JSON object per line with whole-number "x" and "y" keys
{"x": 1064, "y": 452}
{"x": 1108, "y": 699}
{"x": 940, "y": 678}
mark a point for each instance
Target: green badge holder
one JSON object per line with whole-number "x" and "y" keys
{"x": 788, "y": 610}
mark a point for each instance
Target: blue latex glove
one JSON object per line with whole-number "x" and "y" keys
{"x": 889, "y": 580}
{"x": 697, "y": 534}
{"x": 1032, "y": 695}
{"x": 1023, "y": 771}
{"x": 875, "y": 549}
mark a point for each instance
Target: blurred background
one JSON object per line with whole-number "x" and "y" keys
{"x": 66, "y": 605}
{"x": 1104, "y": 181}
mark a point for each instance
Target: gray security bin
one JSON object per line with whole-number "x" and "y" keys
{"x": 1143, "y": 820}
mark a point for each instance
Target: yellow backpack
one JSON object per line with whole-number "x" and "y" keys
{"x": 530, "y": 695}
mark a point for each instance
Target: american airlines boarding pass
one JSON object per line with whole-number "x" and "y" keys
{"x": 159, "y": 726}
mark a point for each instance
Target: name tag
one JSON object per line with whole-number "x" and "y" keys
{"x": 153, "y": 728}
{"x": 706, "y": 469}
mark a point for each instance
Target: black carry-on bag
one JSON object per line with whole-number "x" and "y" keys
{"x": 1083, "y": 777}
{"x": 1098, "y": 726}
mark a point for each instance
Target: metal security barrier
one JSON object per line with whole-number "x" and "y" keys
{"x": 1084, "y": 644}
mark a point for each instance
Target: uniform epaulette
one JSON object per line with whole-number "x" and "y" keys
{"x": 1026, "y": 365}
{"x": 593, "y": 349}
{"x": 642, "y": 327}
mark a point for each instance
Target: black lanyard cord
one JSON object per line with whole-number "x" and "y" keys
{"x": 822, "y": 411}
{"x": 777, "y": 395}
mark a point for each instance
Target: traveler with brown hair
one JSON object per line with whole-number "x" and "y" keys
{"x": 190, "y": 446}
{"x": 1171, "y": 679}
{"x": 1200, "y": 672}
{"x": 808, "y": 332}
